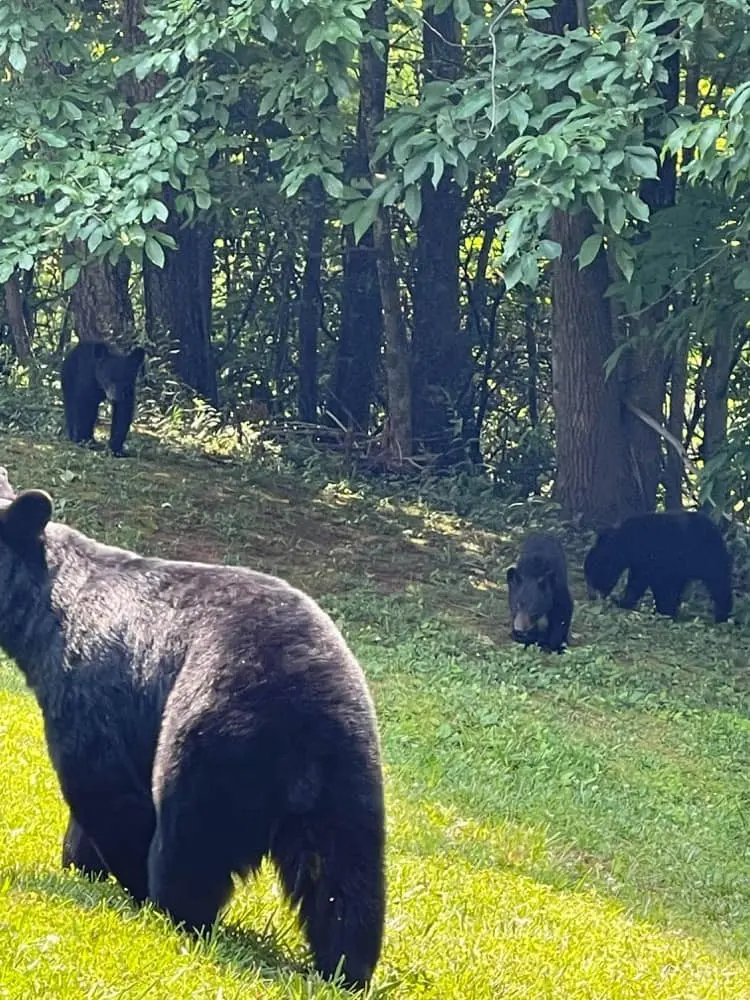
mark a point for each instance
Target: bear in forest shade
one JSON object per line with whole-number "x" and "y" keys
{"x": 664, "y": 552}
{"x": 538, "y": 591}
{"x": 92, "y": 372}
{"x": 199, "y": 718}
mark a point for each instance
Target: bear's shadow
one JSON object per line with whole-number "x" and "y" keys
{"x": 229, "y": 944}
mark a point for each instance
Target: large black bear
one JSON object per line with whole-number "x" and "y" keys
{"x": 199, "y": 718}
{"x": 92, "y": 372}
{"x": 538, "y": 589}
{"x": 665, "y": 552}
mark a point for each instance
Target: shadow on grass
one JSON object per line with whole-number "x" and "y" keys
{"x": 228, "y": 944}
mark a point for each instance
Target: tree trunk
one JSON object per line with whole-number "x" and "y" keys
{"x": 309, "y": 309}
{"x": 532, "y": 359}
{"x": 645, "y": 372}
{"x": 178, "y": 305}
{"x": 100, "y": 302}
{"x": 594, "y": 469}
{"x": 14, "y": 307}
{"x": 360, "y": 335}
{"x": 595, "y": 473}
{"x": 673, "y": 466}
{"x": 399, "y": 438}
{"x": 441, "y": 353}
{"x": 372, "y": 73}
{"x": 717, "y": 393}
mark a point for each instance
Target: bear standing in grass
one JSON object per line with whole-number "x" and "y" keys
{"x": 664, "y": 552}
{"x": 199, "y": 718}
{"x": 538, "y": 590}
{"x": 92, "y": 372}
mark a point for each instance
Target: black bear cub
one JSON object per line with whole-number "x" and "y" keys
{"x": 538, "y": 590}
{"x": 199, "y": 718}
{"x": 663, "y": 552}
{"x": 92, "y": 372}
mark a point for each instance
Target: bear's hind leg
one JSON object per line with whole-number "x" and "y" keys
{"x": 200, "y": 840}
{"x": 332, "y": 865}
{"x": 668, "y": 597}
{"x": 720, "y": 589}
{"x": 634, "y": 590}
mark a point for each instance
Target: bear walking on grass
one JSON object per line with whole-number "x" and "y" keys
{"x": 199, "y": 718}
{"x": 663, "y": 552}
{"x": 538, "y": 590}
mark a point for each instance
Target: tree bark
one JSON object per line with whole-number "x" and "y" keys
{"x": 399, "y": 438}
{"x": 717, "y": 397}
{"x": 596, "y": 477}
{"x": 673, "y": 466}
{"x": 100, "y": 302}
{"x": 14, "y": 307}
{"x": 360, "y": 335}
{"x": 373, "y": 72}
{"x": 645, "y": 372}
{"x": 441, "y": 352}
{"x": 309, "y": 309}
{"x": 594, "y": 470}
{"x": 178, "y": 303}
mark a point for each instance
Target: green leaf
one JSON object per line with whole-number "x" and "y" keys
{"x": 642, "y": 165}
{"x": 332, "y": 184}
{"x": 549, "y": 250}
{"x": 70, "y": 276}
{"x": 365, "y": 219}
{"x": 202, "y": 199}
{"x": 154, "y": 251}
{"x": 589, "y": 250}
{"x": 617, "y": 214}
{"x": 267, "y": 28}
{"x": 413, "y": 202}
{"x": 625, "y": 259}
{"x": 637, "y": 208}
{"x": 17, "y": 57}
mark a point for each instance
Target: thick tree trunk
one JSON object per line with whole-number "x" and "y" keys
{"x": 373, "y": 70}
{"x": 309, "y": 309}
{"x": 594, "y": 469}
{"x": 178, "y": 305}
{"x": 441, "y": 353}
{"x": 100, "y": 302}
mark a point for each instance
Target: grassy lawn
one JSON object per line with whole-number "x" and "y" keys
{"x": 569, "y": 827}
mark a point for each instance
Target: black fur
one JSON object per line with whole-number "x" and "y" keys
{"x": 538, "y": 589}
{"x": 663, "y": 552}
{"x": 199, "y": 717}
{"x": 92, "y": 372}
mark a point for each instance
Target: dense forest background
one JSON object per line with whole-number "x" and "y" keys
{"x": 507, "y": 239}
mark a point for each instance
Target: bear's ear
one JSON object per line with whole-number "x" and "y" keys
{"x": 6, "y": 490}
{"x": 511, "y": 575}
{"x": 27, "y": 517}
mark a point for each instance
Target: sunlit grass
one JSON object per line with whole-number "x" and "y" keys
{"x": 564, "y": 827}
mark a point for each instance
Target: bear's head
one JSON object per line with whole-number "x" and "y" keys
{"x": 23, "y": 518}
{"x": 602, "y": 566}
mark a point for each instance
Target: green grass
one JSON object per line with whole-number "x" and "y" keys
{"x": 568, "y": 827}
